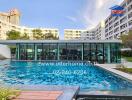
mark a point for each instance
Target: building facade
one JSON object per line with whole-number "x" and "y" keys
{"x": 96, "y": 33}
{"x": 88, "y": 35}
{"x": 10, "y": 21}
{"x": 111, "y": 28}
{"x": 99, "y": 31}
{"x": 116, "y": 26}
{"x": 99, "y": 51}
{"x": 73, "y": 34}
{"x": 13, "y": 17}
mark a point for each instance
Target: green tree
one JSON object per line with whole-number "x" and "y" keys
{"x": 50, "y": 36}
{"x": 37, "y": 34}
{"x": 24, "y": 36}
{"x": 13, "y": 35}
{"x": 127, "y": 39}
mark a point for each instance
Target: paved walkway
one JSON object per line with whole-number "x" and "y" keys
{"x": 39, "y": 95}
{"x": 111, "y": 68}
{"x": 126, "y": 63}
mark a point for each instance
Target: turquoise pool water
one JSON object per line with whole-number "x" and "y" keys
{"x": 81, "y": 74}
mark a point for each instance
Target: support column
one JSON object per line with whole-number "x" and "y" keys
{"x": 103, "y": 54}
{"x": 58, "y": 51}
{"x": 18, "y": 51}
{"x": 108, "y": 52}
{"x": 35, "y": 51}
{"x": 82, "y": 51}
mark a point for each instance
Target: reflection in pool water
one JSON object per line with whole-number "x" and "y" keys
{"x": 82, "y": 74}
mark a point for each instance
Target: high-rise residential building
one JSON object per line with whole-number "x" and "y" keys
{"x": 99, "y": 31}
{"x": 13, "y": 16}
{"x": 88, "y": 35}
{"x": 116, "y": 26}
{"x": 10, "y": 21}
{"x": 113, "y": 27}
{"x": 70, "y": 34}
{"x": 96, "y": 33}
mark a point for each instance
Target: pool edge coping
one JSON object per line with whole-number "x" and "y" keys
{"x": 120, "y": 74}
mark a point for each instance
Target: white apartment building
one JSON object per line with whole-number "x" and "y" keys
{"x": 111, "y": 28}
{"x": 99, "y": 31}
{"x": 13, "y": 16}
{"x": 87, "y": 35}
{"x": 96, "y": 33}
{"x": 10, "y": 21}
{"x": 116, "y": 26}
{"x": 72, "y": 34}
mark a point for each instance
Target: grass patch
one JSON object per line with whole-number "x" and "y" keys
{"x": 123, "y": 68}
{"x": 129, "y": 59}
{"x": 8, "y": 93}
{"x": 126, "y": 70}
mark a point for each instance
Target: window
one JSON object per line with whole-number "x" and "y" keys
{"x": 130, "y": 22}
{"x": 106, "y": 21}
{"x": 106, "y": 30}
{"x": 117, "y": 29}
{"x": 123, "y": 32}
{"x": 123, "y": 19}
{"x": 129, "y": 1}
{"x": 123, "y": 26}
{"x": 110, "y": 27}
{"x": 110, "y": 22}
{"x": 130, "y": 15}
{"x": 117, "y": 23}
{"x": 130, "y": 7}
{"x": 116, "y": 18}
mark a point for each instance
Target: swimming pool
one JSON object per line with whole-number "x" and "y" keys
{"x": 82, "y": 74}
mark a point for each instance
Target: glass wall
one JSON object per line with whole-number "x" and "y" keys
{"x": 30, "y": 51}
{"x": 74, "y": 51}
{"x": 93, "y": 52}
{"x": 39, "y": 50}
{"x": 87, "y": 52}
{"x": 63, "y": 52}
{"x": 115, "y": 53}
{"x": 100, "y": 53}
{"x": 23, "y": 52}
{"x": 53, "y": 50}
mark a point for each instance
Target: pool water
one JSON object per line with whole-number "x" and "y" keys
{"x": 82, "y": 74}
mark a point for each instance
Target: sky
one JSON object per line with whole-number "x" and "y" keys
{"x": 61, "y": 14}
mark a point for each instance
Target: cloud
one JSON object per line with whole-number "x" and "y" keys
{"x": 73, "y": 19}
{"x": 97, "y": 10}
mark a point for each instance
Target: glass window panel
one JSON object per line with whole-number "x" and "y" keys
{"x": 100, "y": 53}
{"x": 30, "y": 51}
{"x": 87, "y": 52}
{"x": 39, "y": 51}
{"x": 63, "y": 51}
{"x": 74, "y": 51}
{"x": 23, "y": 52}
{"x": 53, "y": 50}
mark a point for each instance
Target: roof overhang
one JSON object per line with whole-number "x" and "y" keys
{"x": 58, "y": 41}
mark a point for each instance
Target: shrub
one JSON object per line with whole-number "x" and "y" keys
{"x": 8, "y": 93}
{"x": 126, "y": 53}
{"x": 120, "y": 66}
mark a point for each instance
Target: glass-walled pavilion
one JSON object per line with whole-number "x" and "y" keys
{"x": 107, "y": 51}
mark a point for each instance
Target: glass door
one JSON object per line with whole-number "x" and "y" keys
{"x": 30, "y": 52}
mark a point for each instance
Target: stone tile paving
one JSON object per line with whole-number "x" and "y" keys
{"x": 69, "y": 92}
{"x": 39, "y": 95}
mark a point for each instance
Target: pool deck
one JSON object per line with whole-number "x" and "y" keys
{"x": 111, "y": 68}
{"x": 39, "y": 95}
{"x": 61, "y": 92}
